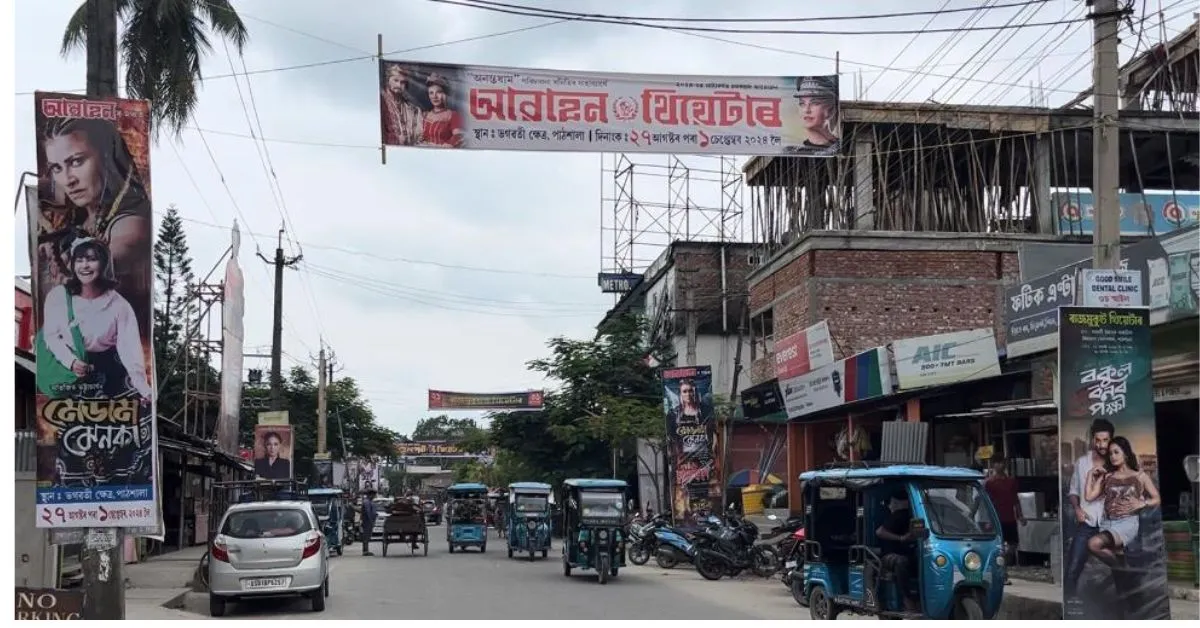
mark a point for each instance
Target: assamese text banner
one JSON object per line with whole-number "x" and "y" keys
{"x": 92, "y": 237}
{"x": 500, "y": 108}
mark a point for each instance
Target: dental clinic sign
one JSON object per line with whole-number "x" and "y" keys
{"x": 1102, "y": 287}
{"x": 946, "y": 358}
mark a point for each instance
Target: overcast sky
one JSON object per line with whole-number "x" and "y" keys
{"x": 394, "y": 275}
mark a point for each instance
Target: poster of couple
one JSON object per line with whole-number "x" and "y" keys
{"x": 1114, "y": 561}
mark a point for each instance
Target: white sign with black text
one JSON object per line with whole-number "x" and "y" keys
{"x": 1102, "y": 287}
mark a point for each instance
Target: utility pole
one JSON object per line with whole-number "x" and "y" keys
{"x": 692, "y": 323}
{"x": 280, "y": 262}
{"x": 102, "y": 558}
{"x": 1106, "y": 134}
{"x": 322, "y": 383}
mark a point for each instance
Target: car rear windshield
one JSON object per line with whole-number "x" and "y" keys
{"x": 266, "y": 523}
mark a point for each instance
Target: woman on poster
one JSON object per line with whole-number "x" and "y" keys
{"x": 87, "y": 312}
{"x": 442, "y": 126}
{"x": 94, "y": 188}
{"x": 817, "y": 99}
{"x": 1127, "y": 491}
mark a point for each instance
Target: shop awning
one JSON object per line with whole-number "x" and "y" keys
{"x": 1023, "y": 407}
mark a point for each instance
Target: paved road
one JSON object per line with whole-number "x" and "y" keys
{"x": 492, "y": 586}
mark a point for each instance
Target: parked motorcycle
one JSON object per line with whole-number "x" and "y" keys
{"x": 731, "y": 549}
{"x": 668, "y": 545}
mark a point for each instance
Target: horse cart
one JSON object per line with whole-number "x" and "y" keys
{"x": 405, "y": 524}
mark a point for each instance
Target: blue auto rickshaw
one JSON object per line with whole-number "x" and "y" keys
{"x": 329, "y": 504}
{"x": 593, "y": 527}
{"x": 954, "y": 551}
{"x": 528, "y": 518}
{"x": 466, "y": 516}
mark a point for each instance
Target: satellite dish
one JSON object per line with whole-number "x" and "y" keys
{"x": 1191, "y": 466}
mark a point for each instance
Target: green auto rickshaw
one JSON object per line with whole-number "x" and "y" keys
{"x": 593, "y": 526}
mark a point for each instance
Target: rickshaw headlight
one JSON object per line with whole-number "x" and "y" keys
{"x": 999, "y": 561}
{"x": 602, "y": 535}
{"x": 972, "y": 561}
{"x": 940, "y": 561}
{"x": 531, "y": 524}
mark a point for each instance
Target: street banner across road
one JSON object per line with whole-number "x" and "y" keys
{"x": 1114, "y": 561}
{"x": 446, "y": 400}
{"x": 691, "y": 435}
{"x": 499, "y": 108}
{"x": 91, "y": 239}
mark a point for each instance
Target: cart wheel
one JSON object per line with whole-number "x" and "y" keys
{"x": 545, "y": 553}
{"x": 510, "y": 552}
{"x": 426, "y": 548}
{"x": 451, "y": 548}
{"x": 339, "y": 550}
{"x": 483, "y": 548}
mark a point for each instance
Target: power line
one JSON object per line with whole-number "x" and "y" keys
{"x": 745, "y": 20}
{"x": 414, "y": 261}
{"x": 582, "y": 17}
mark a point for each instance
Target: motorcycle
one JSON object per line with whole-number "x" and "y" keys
{"x": 669, "y": 546}
{"x": 793, "y": 567}
{"x": 732, "y": 549}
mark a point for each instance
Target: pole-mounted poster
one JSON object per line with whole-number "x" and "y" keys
{"x": 92, "y": 235}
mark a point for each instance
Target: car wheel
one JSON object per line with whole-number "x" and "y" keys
{"x": 318, "y": 599}
{"x": 326, "y": 586}
{"x": 216, "y": 605}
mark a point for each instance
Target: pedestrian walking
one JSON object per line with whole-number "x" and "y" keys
{"x": 369, "y": 512}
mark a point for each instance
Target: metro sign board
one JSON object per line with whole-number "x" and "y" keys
{"x": 618, "y": 282}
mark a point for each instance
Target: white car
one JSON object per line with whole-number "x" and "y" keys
{"x": 268, "y": 549}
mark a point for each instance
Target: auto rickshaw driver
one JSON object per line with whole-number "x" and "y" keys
{"x": 897, "y": 540}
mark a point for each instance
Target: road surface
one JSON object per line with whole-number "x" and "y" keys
{"x": 475, "y": 586}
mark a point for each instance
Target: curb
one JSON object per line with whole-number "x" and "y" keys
{"x": 178, "y": 603}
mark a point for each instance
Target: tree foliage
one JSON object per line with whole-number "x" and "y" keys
{"x": 162, "y": 44}
{"x": 608, "y": 397}
{"x": 351, "y": 430}
{"x": 442, "y": 427}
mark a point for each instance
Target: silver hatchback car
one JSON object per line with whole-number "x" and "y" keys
{"x": 268, "y": 549}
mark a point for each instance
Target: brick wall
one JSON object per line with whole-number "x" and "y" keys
{"x": 873, "y": 297}
{"x": 698, "y": 267}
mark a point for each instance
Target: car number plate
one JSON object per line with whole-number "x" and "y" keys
{"x": 791, "y": 564}
{"x": 255, "y": 584}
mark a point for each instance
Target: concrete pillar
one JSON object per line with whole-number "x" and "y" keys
{"x": 864, "y": 188}
{"x": 1044, "y": 213}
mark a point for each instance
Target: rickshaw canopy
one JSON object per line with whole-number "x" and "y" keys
{"x": 539, "y": 488}
{"x": 467, "y": 488}
{"x": 866, "y": 477}
{"x": 325, "y": 492}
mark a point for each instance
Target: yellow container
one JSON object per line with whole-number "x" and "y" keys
{"x": 752, "y": 498}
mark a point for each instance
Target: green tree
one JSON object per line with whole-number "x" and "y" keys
{"x": 442, "y": 427}
{"x": 161, "y": 46}
{"x": 352, "y": 431}
{"x": 173, "y": 309}
{"x": 608, "y": 396}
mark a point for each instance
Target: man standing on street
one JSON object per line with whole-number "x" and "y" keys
{"x": 1086, "y": 514}
{"x": 369, "y": 512}
{"x": 1002, "y": 489}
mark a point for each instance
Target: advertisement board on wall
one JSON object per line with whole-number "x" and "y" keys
{"x": 858, "y": 377}
{"x": 1103, "y": 287}
{"x": 1152, "y": 213}
{"x": 804, "y": 351}
{"x": 1114, "y": 562}
{"x": 946, "y": 358}
{"x": 97, "y": 447}
{"x": 499, "y": 108}
{"x": 1031, "y": 306}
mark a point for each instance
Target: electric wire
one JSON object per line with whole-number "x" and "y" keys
{"x": 729, "y": 31}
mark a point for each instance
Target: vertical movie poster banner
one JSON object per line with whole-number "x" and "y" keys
{"x": 91, "y": 243}
{"x": 1114, "y": 561}
{"x": 691, "y": 435}
{"x": 498, "y": 108}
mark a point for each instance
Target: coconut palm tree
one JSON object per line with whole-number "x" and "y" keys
{"x": 161, "y": 45}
